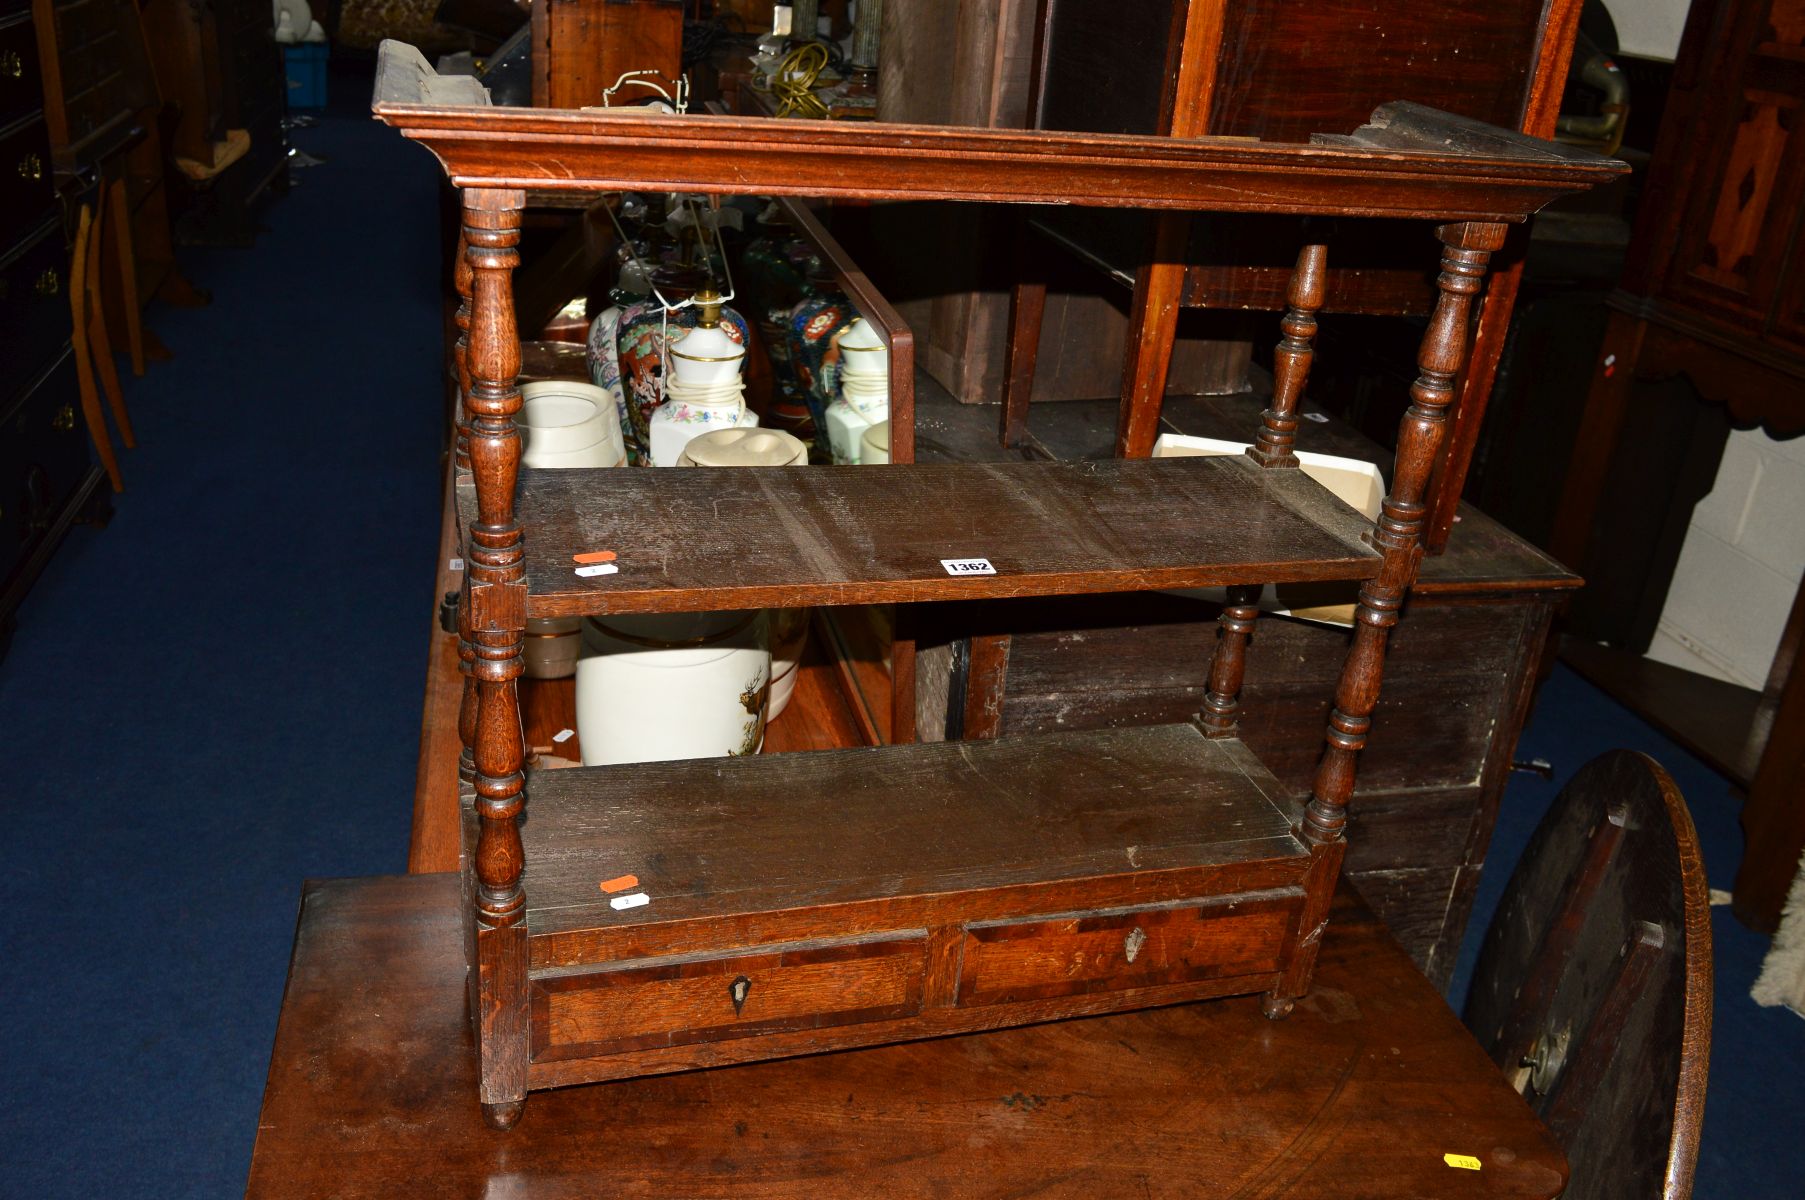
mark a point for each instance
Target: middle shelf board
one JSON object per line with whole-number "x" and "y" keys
{"x": 689, "y": 540}
{"x": 887, "y": 835}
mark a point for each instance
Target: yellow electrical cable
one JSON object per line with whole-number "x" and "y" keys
{"x": 794, "y": 82}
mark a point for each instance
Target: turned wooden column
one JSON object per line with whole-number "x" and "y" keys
{"x": 1272, "y": 448}
{"x": 496, "y": 591}
{"x": 1466, "y": 249}
{"x": 462, "y": 277}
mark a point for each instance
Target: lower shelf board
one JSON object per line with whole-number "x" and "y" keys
{"x": 814, "y": 901}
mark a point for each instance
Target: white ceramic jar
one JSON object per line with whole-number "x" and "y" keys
{"x": 702, "y": 392}
{"x": 762, "y": 448}
{"x": 567, "y": 424}
{"x": 664, "y": 686}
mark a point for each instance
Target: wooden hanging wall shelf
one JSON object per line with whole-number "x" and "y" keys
{"x": 816, "y": 901}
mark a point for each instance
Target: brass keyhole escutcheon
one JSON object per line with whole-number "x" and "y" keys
{"x": 738, "y": 990}
{"x": 11, "y": 65}
{"x": 64, "y": 419}
{"x": 1133, "y": 942}
{"x": 49, "y": 282}
{"x": 31, "y": 167}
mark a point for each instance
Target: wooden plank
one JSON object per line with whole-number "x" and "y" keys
{"x": 789, "y": 536}
{"x": 720, "y": 837}
{"x": 1357, "y": 1093}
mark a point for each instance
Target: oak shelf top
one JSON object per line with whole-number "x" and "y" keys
{"x": 1409, "y": 161}
{"x": 722, "y": 838}
{"x": 696, "y": 540}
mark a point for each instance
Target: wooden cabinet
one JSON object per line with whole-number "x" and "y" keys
{"x": 1056, "y": 841}
{"x": 47, "y": 474}
{"x": 1714, "y": 291}
{"x": 581, "y": 47}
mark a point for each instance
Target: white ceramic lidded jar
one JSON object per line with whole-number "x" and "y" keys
{"x": 762, "y": 448}
{"x": 564, "y": 424}
{"x": 703, "y": 388}
{"x": 663, "y": 686}
{"x": 863, "y": 384}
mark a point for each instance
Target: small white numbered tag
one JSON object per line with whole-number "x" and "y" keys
{"x": 968, "y": 566}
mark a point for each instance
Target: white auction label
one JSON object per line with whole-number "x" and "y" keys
{"x": 968, "y": 566}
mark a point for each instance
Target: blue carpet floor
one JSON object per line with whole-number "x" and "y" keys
{"x": 218, "y": 696}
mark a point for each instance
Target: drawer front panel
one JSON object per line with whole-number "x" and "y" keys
{"x": 1009, "y": 961}
{"x": 26, "y": 187}
{"x": 43, "y": 458}
{"x": 807, "y": 986}
{"x": 34, "y": 308}
{"x": 21, "y": 83}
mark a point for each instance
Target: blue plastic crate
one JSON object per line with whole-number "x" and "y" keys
{"x": 306, "y": 65}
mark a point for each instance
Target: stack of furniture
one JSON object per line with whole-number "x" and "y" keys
{"x": 47, "y": 476}
{"x": 1253, "y": 70}
{"x": 794, "y": 903}
{"x": 218, "y": 65}
{"x": 1714, "y": 291}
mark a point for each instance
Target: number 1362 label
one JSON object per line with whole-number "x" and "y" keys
{"x": 968, "y": 566}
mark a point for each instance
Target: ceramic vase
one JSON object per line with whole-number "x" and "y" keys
{"x": 814, "y": 357}
{"x": 863, "y": 384}
{"x": 640, "y": 349}
{"x": 875, "y": 445}
{"x": 672, "y": 685}
{"x": 703, "y": 390}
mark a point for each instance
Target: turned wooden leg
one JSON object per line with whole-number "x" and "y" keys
{"x": 1466, "y": 248}
{"x": 1221, "y": 713}
{"x": 496, "y": 603}
{"x": 463, "y": 278}
{"x": 1274, "y": 444}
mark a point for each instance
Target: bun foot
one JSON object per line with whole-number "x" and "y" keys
{"x": 503, "y": 1116}
{"x": 1276, "y": 1007}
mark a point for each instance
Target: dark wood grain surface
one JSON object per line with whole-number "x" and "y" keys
{"x": 719, "y": 837}
{"x": 776, "y": 536}
{"x": 1358, "y": 1094}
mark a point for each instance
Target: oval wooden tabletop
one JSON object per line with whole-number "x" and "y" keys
{"x": 1362, "y": 1092}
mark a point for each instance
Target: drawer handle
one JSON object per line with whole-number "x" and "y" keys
{"x": 1133, "y": 942}
{"x": 12, "y": 65}
{"x": 737, "y": 991}
{"x": 49, "y": 282}
{"x": 31, "y": 167}
{"x": 64, "y": 420}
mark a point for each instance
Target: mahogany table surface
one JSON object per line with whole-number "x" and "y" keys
{"x": 1359, "y": 1093}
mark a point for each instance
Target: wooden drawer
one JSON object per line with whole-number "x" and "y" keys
{"x": 21, "y": 82}
{"x": 1005, "y": 962}
{"x": 650, "y": 1004}
{"x": 26, "y": 186}
{"x": 34, "y": 306}
{"x": 43, "y": 459}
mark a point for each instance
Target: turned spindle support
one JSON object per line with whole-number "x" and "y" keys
{"x": 1466, "y": 249}
{"x": 496, "y": 602}
{"x": 460, "y": 363}
{"x": 1222, "y": 703}
{"x": 1273, "y": 444}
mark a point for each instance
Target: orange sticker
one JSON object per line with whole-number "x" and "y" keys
{"x": 620, "y": 883}
{"x": 594, "y": 556}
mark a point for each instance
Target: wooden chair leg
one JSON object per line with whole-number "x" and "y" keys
{"x": 1027, "y": 306}
{"x": 120, "y": 217}
{"x": 98, "y": 337}
{"x": 79, "y": 300}
{"x": 1152, "y": 325}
